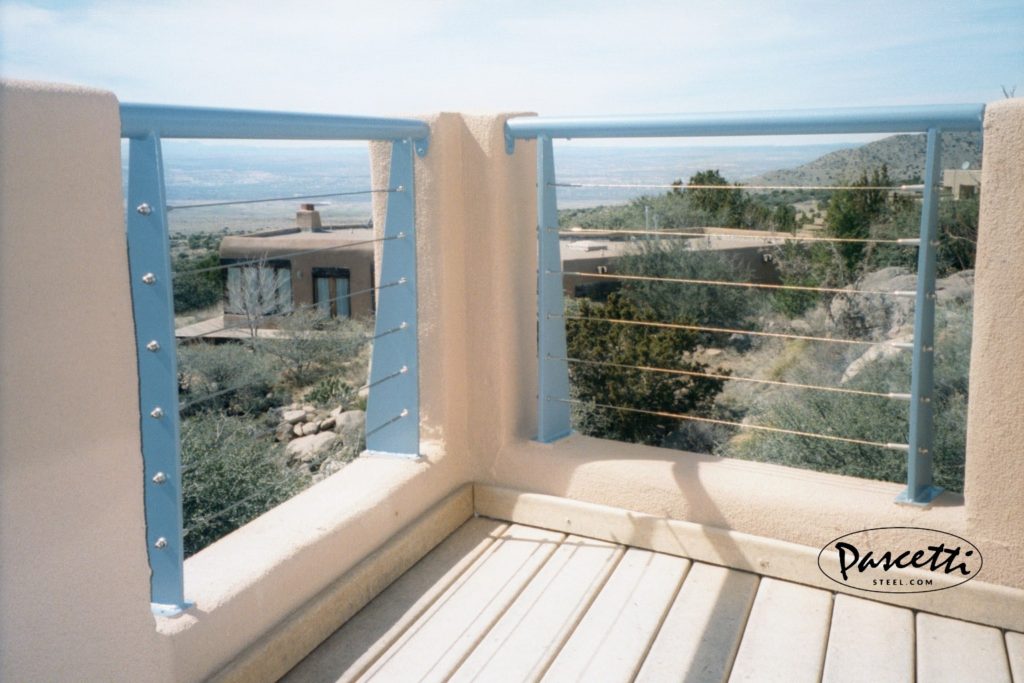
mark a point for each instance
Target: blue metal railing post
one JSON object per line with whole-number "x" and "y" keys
{"x": 553, "y": 372}
{"x": 153, "y": 307}
{"x": 393, "y": 410}
{"x": 920, "y": 489}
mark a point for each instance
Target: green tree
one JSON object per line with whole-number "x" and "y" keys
{"x": 851, "y": 214}
{"x": 601, "y": 376}
{"x": 193, "y": 290}
{"x": 707, "y": 304}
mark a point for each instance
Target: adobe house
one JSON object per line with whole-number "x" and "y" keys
{"x": 329, "y": 268}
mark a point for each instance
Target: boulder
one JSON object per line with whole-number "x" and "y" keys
{"x": 297, "y": 429}
{"x": 310, "y": 428}
{"x": 294, "y": 416}
{"x": 350, "y": 421}
{"x": 327, "y": 424}
{"x": 306, "y": 448}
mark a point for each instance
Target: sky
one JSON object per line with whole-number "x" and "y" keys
{"x": 383, "y": 57}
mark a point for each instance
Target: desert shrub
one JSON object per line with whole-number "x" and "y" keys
{"x": 233, "y": 473}
{"x": 602, "y": 348}
{"x": 333, "y": 391}
{"x": 805, "y": 264}
{"x": 229, "y": 378}
{"x": 958, "y": 237}
{"x": 874, "y": 419}
{"x": 705, "y": 304}
{"x": 196, "y": 291}
{"x": 312, "y": 346}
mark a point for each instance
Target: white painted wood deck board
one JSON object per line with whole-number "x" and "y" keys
{"x": 351, "y": 649}
{"x": 531, "y": 633}
{"x": 786, "y": 634}
{"x": 869, "y": 641}
{"x": 436, "y": 644}
{"x": 951, "y": 650}
{"x": 700, "y": 635}
{"x": 613, "y": 637}
{"x": 1015, "y": 653}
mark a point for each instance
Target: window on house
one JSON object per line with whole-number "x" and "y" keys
{"x": 331, "y": 292}
{"x": 258, "y": 289}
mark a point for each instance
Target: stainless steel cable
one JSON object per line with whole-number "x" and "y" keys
{"x": 264, "y": 259}
{"x": 719, "y": 330}
{"x": 712, "y": 375}
{"x": 741, "y": 425}
{"x": 302, "y": 307}
{"x": 396, "y": 418}
{"x": 643, "y": 186}
{"x": 776, "y": 237}
{"x": 182, "y": 207}
{"x": 725, "y": 283}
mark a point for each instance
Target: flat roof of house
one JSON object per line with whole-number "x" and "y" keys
{"x": 296, "y": 239}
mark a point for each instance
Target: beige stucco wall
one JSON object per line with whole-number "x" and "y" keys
{"x": 74, "y": 581}
{"x": 994, "y": 485}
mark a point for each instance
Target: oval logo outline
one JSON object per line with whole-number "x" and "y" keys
{"x": 977, "y": 550}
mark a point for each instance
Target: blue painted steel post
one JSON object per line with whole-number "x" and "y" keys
{"x": 920, "y": 489}
{"x": 553, "y": 372}
{"x": 153, "y": 306}
{"x": 393, "y": 407}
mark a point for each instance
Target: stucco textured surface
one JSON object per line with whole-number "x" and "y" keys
{"x": 74, "y": 581}
{"x": 995, "y": 424}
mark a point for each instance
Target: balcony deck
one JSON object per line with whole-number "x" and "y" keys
{"x": 507, "y": 602}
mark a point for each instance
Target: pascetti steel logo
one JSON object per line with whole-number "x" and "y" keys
{"x": 900, "y": 559}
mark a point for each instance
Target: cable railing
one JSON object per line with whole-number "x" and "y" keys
{"x": 555, "y": 399}
{"x": 394, "y": 369}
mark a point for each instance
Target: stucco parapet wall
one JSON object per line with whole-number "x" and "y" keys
{"x": 771, "y": 501}
{"x": 74, "y": 579}
{"x": 246, "y": 583}
{"x": 995, "y": 422}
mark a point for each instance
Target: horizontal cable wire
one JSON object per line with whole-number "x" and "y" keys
{"x": 206, "y": 520}
{"x": 720, "y": 330}
{"x": 741, "y": 425}
{"x": 886, "y": 188}
{"x": 905, "y": 241}
{"x": 396, "y": 418}
{"x": 385, "y": 378}
{"x": 276, "y": 257}
{"x": 181, "y": 207}
{"x": 303, "y": 307}
{"x": 724, "y": 283}
{"x": 711, "y": 375}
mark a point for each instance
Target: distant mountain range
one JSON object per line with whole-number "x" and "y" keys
{"x": 903, "y": 154}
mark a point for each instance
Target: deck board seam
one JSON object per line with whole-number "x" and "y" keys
{"x": 620, "y": 552}
{"x": 464, "y": 575}
{"x": 661, "y": 621}
{"x": 512, "y": 600}
{"x": 743, "y": 629}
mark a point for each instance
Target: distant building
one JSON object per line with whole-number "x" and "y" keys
{"x": 584, "y": 257}
{"x": 327, "y": 268}
{"x": 962, "y": 183}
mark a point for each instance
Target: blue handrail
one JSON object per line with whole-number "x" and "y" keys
{"x": 910, "y": 119}
{"x": 552, "y": 408}
{"x": 392, "y": 411}
{"x": 140, "y": 120}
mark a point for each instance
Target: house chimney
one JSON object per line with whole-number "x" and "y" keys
{"x": 307, "y": 218}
